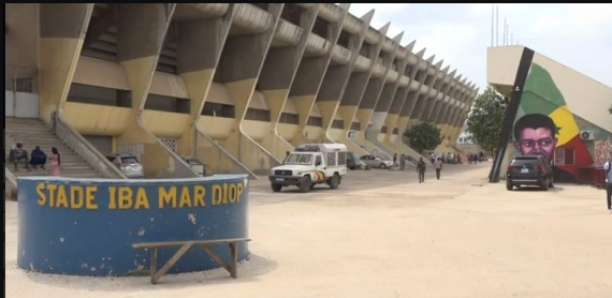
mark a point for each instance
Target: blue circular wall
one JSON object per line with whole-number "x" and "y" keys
{"x": 87, "y": 227}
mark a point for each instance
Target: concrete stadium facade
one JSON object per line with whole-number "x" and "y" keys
{"x": 234, "y": 85}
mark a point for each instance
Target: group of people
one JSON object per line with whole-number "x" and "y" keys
{"x": 474, "y": 158}
{"x": 37, "y": 158}
{"x": 422, "y": 167}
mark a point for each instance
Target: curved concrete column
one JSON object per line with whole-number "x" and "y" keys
{"x": 370, "y": 100}
{"x": 62, "y": 31}
{"x": 460, "y": 114}
{"x": 310, "y": 76}
{"x": 355, "y": 92}
{"x": 277, "y": 77}
{"x": 141, "y": 30}
{"x": 199, "y": 45}
{"x": 413, "y": 96}
{"x": 448, "y": 105}
{"x": 240, "y": 66}
{"x": 432, "y": 92}
{"x": 381, "y": 107}
{"x": 441, "y": 89}
{"x": 427, "y": 80}
{"x": 335, "y": 83}
{"x": 455, "y": 92}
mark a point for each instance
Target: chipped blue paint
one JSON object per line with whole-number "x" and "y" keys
{"x": 98, "y": 242}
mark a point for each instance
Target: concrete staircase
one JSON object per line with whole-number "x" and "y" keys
{"x": 33, "y": 132}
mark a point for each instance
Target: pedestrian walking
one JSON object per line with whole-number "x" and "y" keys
{"x": 421, "y": 170}
{"x": 608, "y": 179}
{"x": 438, "y": 167}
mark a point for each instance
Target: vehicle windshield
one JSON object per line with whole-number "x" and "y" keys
{"x": 299, "y": 159}
{"x": 525, "y": 162}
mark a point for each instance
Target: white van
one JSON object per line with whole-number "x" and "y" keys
{"x": 309, "y": 165}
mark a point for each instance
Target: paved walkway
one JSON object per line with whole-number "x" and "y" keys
{"x": 382, "y": 234}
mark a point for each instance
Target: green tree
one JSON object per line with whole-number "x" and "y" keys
{"x": 424, "y": 136}
{"x": 485, "y": 120}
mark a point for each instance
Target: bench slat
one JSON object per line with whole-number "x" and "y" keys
{"x": 195, "y": 242}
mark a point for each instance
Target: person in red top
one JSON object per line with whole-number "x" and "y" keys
{"x": 438, "y": 167}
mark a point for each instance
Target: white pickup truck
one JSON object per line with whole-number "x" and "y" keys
{"x": 309, "y": 165}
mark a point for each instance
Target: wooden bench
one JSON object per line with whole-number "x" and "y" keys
{"x": 184, "y": 247}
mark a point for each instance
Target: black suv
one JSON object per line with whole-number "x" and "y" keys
{"x": 529, "y": 170}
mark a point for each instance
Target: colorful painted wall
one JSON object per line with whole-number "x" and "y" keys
{"x": 550, "y": 122}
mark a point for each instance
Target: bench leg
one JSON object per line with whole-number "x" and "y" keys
{"x": 234, "y": 262}
{"x": 153, "y": 264}
{"x": 216, "y": 257}
{"x": 170, "y": 263}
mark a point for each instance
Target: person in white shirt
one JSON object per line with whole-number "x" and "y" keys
{"x": 608, "y": 176}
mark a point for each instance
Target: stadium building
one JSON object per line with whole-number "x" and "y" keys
{"x": 233, "y": 85}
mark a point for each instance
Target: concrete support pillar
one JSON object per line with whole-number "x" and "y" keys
{"x": 455, "y": 92}
{"x": 335, "y": 82}
{"x": 433, "y": 93}
{"x": 461, "y": 113}
{"x": 401, "y": 95}
{"x": 310, "y": 76}
{"x": 356, "y": 89}
{"x": 373, "y": 91}
{"x": 199, "y": 46}
{"x": 423, "y": 98}
{"x": 277, "y": 76}
{"x": 62, "y": 31}
{"x": 412, "y": 98}
{"x": 439, "y": 104}
{"x": 446, "y": 103}
{"x": 141, "y": 29}
{"x": 240, "y": 66}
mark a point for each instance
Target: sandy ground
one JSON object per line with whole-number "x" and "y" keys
{"x": 385, "y": 235}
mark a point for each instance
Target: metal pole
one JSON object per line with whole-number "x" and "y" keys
{"x": 496, "y": 25}
{"x": 511, "y": 39}
{"x": 493, "y": 24}
{"x": 504, "y": 34}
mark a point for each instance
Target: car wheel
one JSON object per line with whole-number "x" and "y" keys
{"x": 509, "y": 186}
{"x": 551, "y": 184}
{"x": 306, "y": 184}
{"x": 276, "y": 187}
{"x": 545, "y": 185}
{"x": 334, "y": 181}
{"x": 383, "y": 166}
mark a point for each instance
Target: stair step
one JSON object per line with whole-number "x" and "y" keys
{"x": 34, "y": 132}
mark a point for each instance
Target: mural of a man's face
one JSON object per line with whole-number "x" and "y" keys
{"x": 537, "y": 141}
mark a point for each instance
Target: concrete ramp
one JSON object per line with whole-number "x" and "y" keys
{"x": 559, "y": 112}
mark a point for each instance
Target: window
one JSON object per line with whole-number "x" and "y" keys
{"x": 331, "y": 158}
{"x": 257, "y": 115}
{"x": 289, "y": 118}
{"x": 164, "y": 103}
{"x": 99, "y": 95}
{"x": 355, "y": 126}
{"x": 342, "y": 158}
{"x": 565, "y": 156}
{"x": 395, "y": 130}
{"x": 383, "y": 129}
{"x": 338, "y": 123}
{"x": 218, "y": 110}
{"x": 23, "y": 85}
{"x": 315, "y": 121}
{"x": 318, "y": 160}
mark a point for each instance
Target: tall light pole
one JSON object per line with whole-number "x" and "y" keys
{"x": 497, "y": 25}
{"x": 493, "y": 24}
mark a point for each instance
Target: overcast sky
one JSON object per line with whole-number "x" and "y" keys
{"x": 577, "y": 35}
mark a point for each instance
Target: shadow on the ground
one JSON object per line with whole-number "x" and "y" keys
{"x": 248, "y": 271}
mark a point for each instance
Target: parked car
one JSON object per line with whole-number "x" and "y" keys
{"x": 128, "y": 164}
{"x": 377, "y": 162}
{"x": 354, "y": 162}
{"x": 529, "y": 170}
{"x": 196, "y": 165}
